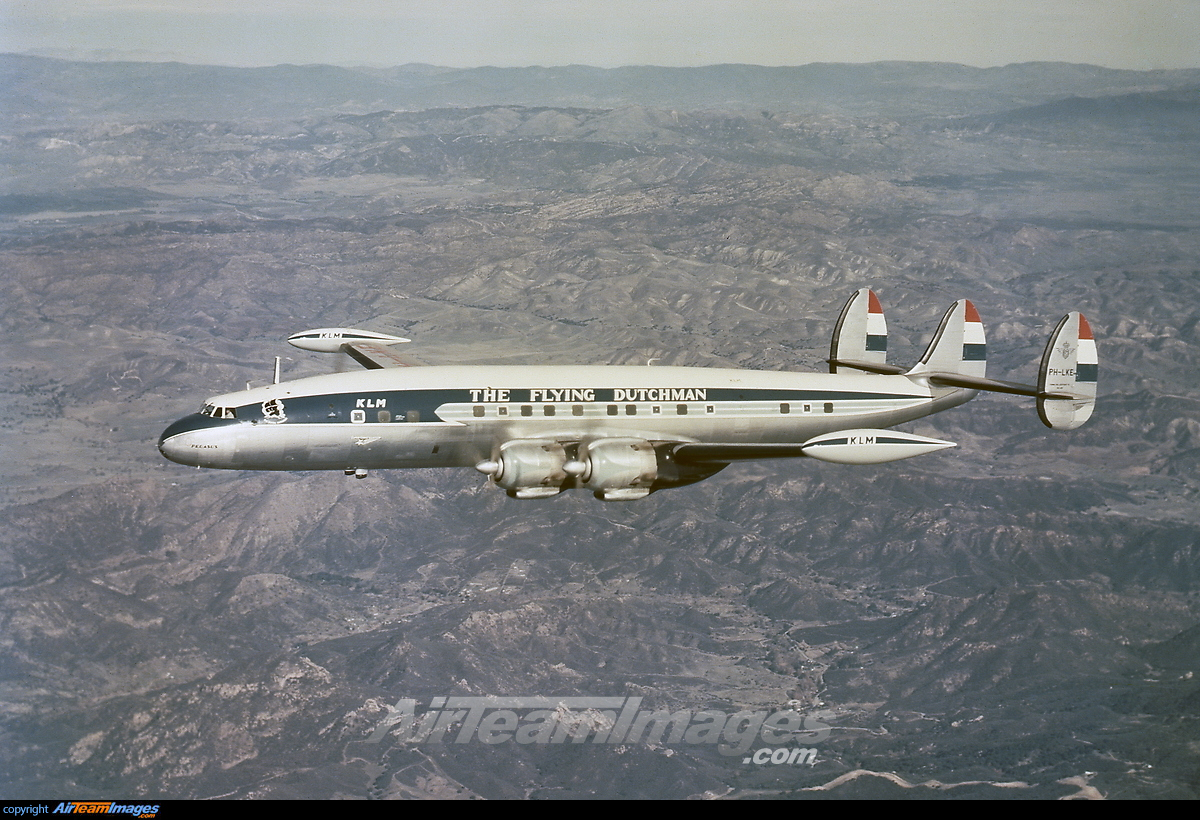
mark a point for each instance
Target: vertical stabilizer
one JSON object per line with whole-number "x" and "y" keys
{"x": 959, "y": 345}
{"x": 1069, "y": 366}
{"x": 860, "y": 334}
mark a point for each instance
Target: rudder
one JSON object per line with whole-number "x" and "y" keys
{"x": 1068, "y": 374}
{"x": 860, "y": 335}
{"x": 959, "y": 346}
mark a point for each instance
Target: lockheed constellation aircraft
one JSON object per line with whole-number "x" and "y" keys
{"x": 621, "y": 432}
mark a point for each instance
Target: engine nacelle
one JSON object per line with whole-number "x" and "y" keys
{"x": 618, "y": 469}
{"x": 870, "y": 446}
{"x": 614, "y": 469}
{"x": 528, "y": 468}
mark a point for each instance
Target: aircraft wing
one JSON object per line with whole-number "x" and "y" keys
{"x": 698, "y": 453}
{"x": 375, "y": 356}
{"x": 857, "y": 446}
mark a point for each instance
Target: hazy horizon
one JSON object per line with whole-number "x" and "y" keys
{"x": 106, "y": 56}
{"x": 1142, "y": 35}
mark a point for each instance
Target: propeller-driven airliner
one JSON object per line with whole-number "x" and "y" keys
{"x": 620, "y": 432}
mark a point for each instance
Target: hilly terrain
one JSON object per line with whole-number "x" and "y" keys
{"x": 1017, "y": 617}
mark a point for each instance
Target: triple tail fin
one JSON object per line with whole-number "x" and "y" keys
{"x": 957, "y": 357}
{"x": 860, "y": 336}
{"x": 959, "y": 347}
{"x": 1067, "y": 377}
{"x": 1066, "y": 388}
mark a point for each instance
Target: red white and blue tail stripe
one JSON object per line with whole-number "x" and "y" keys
{"x": 957, "y": 358}
{"x": 860, "y": 339}
{"x": 1068, "y": 374}
{"x": 959, "y": 346}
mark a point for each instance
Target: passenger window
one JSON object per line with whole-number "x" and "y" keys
{"x": 612, "y": 410}
{"x": 828, "y": 407}
{"x": 785, "y": 408}
{"x": 526, "y": 410}
{"x": 502, "y": 411}
{"x": 383, "y": 416}
{"x": 655, "y": 409}
{"x": 631, "y": 409}
{"x": 477, "y": 410}
{"x": 576, "y": 409}
{"x": 708, "y": 408}
{"x": 412, "y": 415}
{"x": 358, "y": 416}
{"x": 548, "y": 410}
{"x": 681, "y": 409}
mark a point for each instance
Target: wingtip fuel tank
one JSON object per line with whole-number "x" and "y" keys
{"x": 331, "y": 339}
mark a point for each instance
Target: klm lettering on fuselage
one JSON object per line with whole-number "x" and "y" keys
{"x": 569, "y": 394}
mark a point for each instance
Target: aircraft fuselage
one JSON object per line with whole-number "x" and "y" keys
{"x": 620, "y": 432}
{"x": 458, "y": 416}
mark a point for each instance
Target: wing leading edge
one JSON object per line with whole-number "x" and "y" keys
{"x": 375, "y": 356}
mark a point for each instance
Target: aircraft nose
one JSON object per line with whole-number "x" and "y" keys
{"x": 194, "y": 440}
{"x": 172, "y": 441}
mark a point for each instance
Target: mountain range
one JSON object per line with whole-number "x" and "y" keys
{"x": 1015, "y": 617}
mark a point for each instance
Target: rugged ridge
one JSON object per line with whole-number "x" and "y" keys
{"x": 1014, "y": 617}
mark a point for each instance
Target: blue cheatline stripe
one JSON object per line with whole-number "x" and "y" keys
{"x": 422, "y": 404}
{"x": 974, "y": 353}
{"x": 1086, "y": 372}
{"x": 195, "y": 421}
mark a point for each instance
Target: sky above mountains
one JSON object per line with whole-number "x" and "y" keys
{"x": 1136, "y": 34}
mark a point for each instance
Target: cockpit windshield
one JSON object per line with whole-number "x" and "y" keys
{"x": 215, "y": 412}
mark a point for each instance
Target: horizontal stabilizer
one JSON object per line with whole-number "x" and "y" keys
{"x": 869, "y": 367}
{"x": 860, "y": 334}
{"x": 1069, "y": 366}
{"x": 992, "y": 385}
